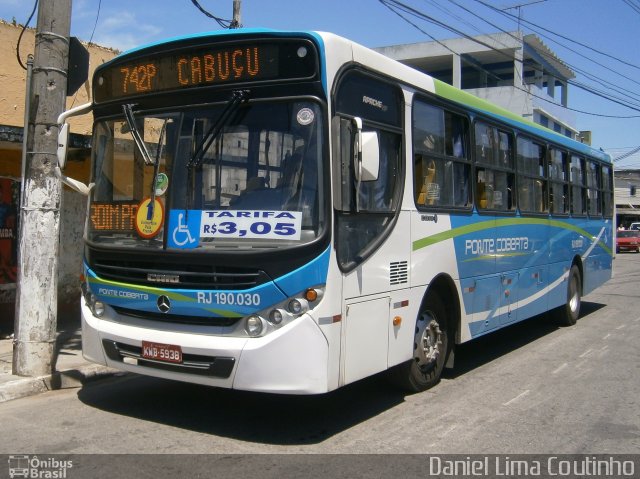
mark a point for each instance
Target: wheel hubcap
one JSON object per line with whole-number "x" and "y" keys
{"x": 428, "y": 341}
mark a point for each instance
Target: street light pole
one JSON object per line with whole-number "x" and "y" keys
{"x": 37, "y": 289}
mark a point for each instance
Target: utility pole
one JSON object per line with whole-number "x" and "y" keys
{"x": 37, "y": 293}
{"x": 236, "y": 22}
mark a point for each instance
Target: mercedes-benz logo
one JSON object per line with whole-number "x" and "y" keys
{"x": 164, "y": 305}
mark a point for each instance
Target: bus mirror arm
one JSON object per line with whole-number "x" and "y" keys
{"x": 63, "y": 146}
{"x": 74, "y": 184}
{"x": 357, "y": 160}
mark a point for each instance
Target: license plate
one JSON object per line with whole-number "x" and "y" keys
{"x": 161, "y": 352}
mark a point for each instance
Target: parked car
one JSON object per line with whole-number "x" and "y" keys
{"x": 634, "y": 226}
{"x": 628, "y": 240}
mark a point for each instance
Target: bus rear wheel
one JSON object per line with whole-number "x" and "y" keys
{"x": 430, "y": 349}
{"x": 567, "y": 315}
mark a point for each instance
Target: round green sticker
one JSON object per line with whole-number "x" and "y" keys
{"x": 162, "y": 183}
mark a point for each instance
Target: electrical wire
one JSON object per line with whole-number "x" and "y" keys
{"x": 220, "y": 21}
{"x": 75, "y": 97}
{"x": 627, "y": 154}
{"x": 537, "y": 29}
{"x": 24, "y": 27}
{"x": 96, "y": 22}
{"x": 548, "y": 56}
{"x": 588, "y": 47}
{"x": 423, "y": 16}
{"x": 633, "y": 6}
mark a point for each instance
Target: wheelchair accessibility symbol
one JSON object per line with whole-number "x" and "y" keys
{"x": 184, "y": 229}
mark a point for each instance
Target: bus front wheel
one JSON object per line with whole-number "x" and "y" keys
{"x": 430, "y": 348}
{"x": 567, "y": 315}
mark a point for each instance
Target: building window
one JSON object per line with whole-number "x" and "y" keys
{"x": 544, "y": 121}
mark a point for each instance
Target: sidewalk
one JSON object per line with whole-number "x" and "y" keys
{"x": 71, "y": 370}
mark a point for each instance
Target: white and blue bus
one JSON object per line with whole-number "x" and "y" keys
{"x": 290, "y": 212}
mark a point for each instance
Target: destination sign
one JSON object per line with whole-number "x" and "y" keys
{"x": 113, "y": 217}
{"x": 199, "y": 66}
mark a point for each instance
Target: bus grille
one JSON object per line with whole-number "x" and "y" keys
{"x": 176, "y": 318}
{"x": 188, "y": 276}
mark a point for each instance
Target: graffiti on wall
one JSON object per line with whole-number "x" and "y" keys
{"x": 9, "y": 207}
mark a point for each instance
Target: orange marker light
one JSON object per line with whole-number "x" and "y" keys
{"x": 311, "y": 295}
{"x": 397, "y": 321}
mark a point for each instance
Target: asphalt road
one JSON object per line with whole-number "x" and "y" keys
{"x": 531, "y": 388}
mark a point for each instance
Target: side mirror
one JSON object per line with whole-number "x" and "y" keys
{"x": 370, "y": 156}
{"x": 367, "y": 150}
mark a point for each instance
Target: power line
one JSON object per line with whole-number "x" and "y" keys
{"x": 423, "y": 16}
{"x": 573, "y": 67}
{"x": 628, "y": 154}
{"x": 24, "y": 27}
{"x": 96, "y": 22}
{"x": 535, "y": 28}
{"x": 561, "y": 36}
{"x": 220, "y": 21}
{"x": 633, "y": 6}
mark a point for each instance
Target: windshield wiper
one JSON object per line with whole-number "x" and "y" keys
{"x": 137, "y": 139}
{"x": 156, "y": 167}
{"x": 237, "y": 98}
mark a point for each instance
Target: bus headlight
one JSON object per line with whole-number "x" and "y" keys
{"x": 298, "y": 306}
{"x": 98, "y": 309}
{"x": 253, "y": 326}
{"x": 277, "y": 316}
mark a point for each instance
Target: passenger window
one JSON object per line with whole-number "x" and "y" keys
{"x": 494, "y": 169}
{"x": 532, "y": 182}
{"x": 578, "y": 190}
{"x": 593, "y": 189}
{"x": 559, "y": 184}
{"x": 607, "y": 192}
{"x": 441, "y": 164}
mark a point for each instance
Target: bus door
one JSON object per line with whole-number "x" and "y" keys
{"x": 371, "y": 236}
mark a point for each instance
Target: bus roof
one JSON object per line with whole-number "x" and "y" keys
{"x": 405, "y": 74}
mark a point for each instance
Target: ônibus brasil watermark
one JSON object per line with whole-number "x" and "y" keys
{"x": 33, "y": 467}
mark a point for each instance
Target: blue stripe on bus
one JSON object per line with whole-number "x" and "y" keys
{"x": 216, "y": 303}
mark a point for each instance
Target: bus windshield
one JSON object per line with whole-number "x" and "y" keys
{"x": 252, "y": 177}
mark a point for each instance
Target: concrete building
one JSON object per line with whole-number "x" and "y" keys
{"x": 515, "y": 71}
{"x": 627, "y": 196}
{"x": 12, "y": 102}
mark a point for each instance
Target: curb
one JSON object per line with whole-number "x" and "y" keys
{"x": 66, "y": 379}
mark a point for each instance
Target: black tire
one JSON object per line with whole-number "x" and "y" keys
{"x": 430, "y": 349}
{"x": 568, "y": 314}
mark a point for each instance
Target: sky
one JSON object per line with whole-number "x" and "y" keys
{"x": 600, "y": 41}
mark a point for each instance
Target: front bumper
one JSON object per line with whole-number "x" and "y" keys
{"x": 291, "y": 360}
